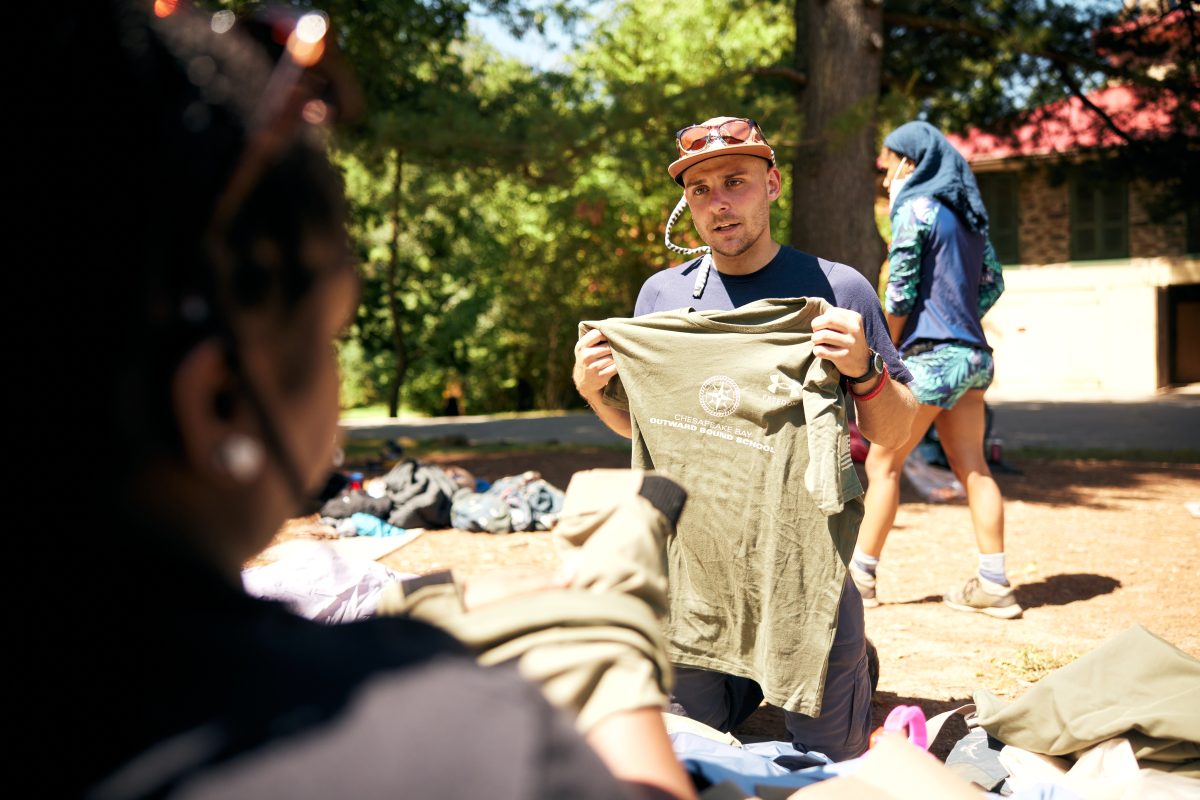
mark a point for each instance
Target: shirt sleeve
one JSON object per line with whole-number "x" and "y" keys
{"x": 991, "y": 282}
{"x": 909, "y": 232}
{"x": 647, "y": 299}
{"x": 852, "y": 291}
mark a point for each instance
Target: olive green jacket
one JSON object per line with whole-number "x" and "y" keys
{"x": 595, "y": 647}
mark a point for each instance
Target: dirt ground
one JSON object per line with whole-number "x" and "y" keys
{"x": 1093, "y": 547}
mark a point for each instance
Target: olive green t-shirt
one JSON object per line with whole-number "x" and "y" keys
{"x": 735, "y": 406}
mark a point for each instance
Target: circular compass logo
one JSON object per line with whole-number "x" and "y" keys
{"x": 719, "y": 396}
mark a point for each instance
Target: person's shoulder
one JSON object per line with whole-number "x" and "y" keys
{"x": 446, "y": 712}
{"x": 667, "y": 288}
{"x": 672, "y": 274}
{"x": 492, "y": 718}
{"x": 518, "y": 745}
{"x": 842, "y": 276}
{"x": 797, "y": 261}
{"x": 921, "y": 208}
{"x": 851, "y": 289}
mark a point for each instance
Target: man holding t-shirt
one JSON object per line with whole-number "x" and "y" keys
{"x": 728, "y": 174}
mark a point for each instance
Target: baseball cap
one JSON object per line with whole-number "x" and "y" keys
{"x": 719, "y": 136}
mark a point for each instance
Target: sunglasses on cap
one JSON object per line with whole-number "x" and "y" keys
{"x": 698, "y": 138}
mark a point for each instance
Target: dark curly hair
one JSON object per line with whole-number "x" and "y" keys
{"x": 156, "y": 115}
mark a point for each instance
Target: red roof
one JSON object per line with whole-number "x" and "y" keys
{"x": 1162, "y": 39}
{"x": 1068, "y": 125}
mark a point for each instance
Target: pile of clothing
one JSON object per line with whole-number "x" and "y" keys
{"x": 417, "y": 495}
{"x": 1120, "y": 723}
{"x": 411, "y": 495}
{"x": 522, "y": 502}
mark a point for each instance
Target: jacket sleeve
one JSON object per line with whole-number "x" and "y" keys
{"x": 909, "y": 231}
{"x": 991, "y": 282}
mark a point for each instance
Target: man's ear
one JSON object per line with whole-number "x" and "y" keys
{"x": 774, "y": 183}
{"x": 203, "y": 395}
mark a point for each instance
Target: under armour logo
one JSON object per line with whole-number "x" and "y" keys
{"x": 780, "y": 382}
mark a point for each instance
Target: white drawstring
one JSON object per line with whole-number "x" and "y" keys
{"x": 705, "y": 263}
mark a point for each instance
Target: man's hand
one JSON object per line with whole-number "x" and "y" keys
{"x": 838, "y": 337}
{"x": 594, "y": 368}
{"x": 594, "y": 365}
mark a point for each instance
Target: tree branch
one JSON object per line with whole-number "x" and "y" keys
{"x": 796, "y": 77}
{"x": 1060, "y": 58}
{"x": 1073, "y": 85}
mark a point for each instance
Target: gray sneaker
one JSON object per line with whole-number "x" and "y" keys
{"x": 973, "y": 597}
{"x": 865, "y": 582}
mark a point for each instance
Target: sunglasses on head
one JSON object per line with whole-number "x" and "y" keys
{"x": 698, "y": 138}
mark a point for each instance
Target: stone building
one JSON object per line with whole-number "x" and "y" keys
{"x": 1102, "y": 291}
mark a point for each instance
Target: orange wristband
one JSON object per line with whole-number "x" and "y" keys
{"x": 862, "y": 398}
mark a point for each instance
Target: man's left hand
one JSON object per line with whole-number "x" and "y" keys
{"x": 838, "y": 337}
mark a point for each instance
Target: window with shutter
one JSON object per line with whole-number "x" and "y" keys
{"x": 1099, "y": 217}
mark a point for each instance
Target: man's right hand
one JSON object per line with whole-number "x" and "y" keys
{"x": 594, "y": 365}
{"x": 594, "y": 368}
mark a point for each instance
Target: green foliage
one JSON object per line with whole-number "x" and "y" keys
{"x": 494, "y": 206}
{"x": 992, "y": 64}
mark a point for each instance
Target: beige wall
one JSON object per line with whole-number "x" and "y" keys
{"x": 1093, "y": 329}
{"x": 1085, "y": 331}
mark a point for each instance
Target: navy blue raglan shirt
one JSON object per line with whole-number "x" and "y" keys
{"x": 790, "y": 273}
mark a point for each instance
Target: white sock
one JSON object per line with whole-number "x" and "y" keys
{"x": 991, "y": 567}
{"x": 866, "y": 563}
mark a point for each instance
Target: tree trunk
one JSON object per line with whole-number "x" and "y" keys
{"x": 552, "y": 391}
{"x": 394, "y": 281}
{"x": 839, "y": 49}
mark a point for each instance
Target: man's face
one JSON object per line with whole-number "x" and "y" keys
{"x": 730, "y": 200}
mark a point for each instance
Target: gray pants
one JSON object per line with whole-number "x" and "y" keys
{"x": 840, "y": 732}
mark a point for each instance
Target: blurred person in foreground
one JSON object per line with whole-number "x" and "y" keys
{"x": 216, "y": 275}
{"x": 943, "y": 277}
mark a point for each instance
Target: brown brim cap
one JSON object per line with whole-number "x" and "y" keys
{"x": 744, "y": 149}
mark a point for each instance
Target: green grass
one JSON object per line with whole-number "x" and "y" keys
{"x": 375, "y": 411}
{"x": 1098, "y": 454}
{"x": 1029, "y": 664}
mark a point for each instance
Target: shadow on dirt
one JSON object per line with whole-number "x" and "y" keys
{"x": 1068, "y": 483}
{"x": 1059, "y": 590}
{"x": 1091, "y": 484}
{"x": 1056, "y": 590}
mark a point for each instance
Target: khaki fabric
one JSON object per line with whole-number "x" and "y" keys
{"x": 674, "y": 723}
{"x": 1135, "y": 686}
{"x": 735, "y": 406}
{"x": 595, "y": 647}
